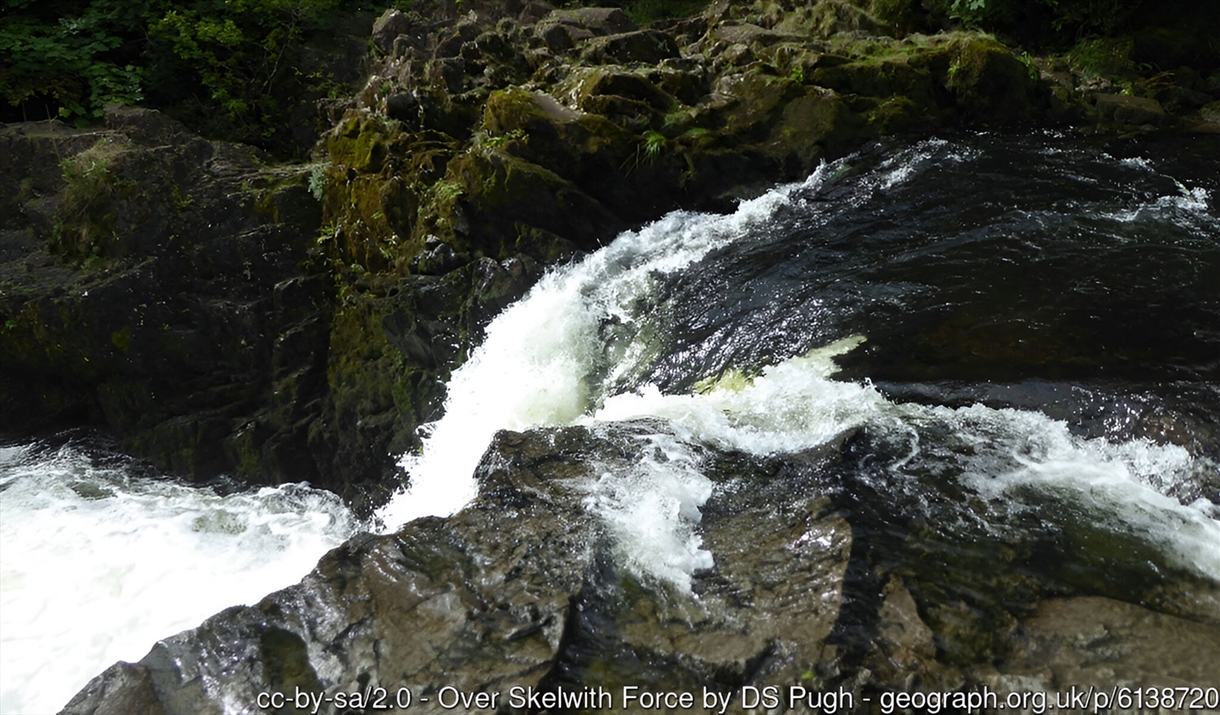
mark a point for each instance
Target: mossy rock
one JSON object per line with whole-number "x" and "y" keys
{"x": 902, "y": 69}
{"x": 289, "y": 201}
{"x": 363, "y": 368}
{"x": 990, "y": 84}
{"x": 815, "y": 123}
{"x": 89, "y": 214}
{"x": 826, "y": 19}
{"x": 532, "y": 113}
{"x": 555, "y": 134}
{"x": 628, "y": 98}
{"x": 497, "y": 193}
{"x": 758, "y": 101}
{"x": 360, "y": 142}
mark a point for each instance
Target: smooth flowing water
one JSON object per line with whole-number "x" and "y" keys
{"x": 1019, "y": 325}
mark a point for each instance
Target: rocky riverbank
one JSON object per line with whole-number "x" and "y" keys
{"x": 222, "y": 314}
{"x": 531, "y": 590}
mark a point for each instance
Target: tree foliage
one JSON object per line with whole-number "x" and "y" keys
{"x": 233, "y": 64}
{"x": 243, "y": 53}
{"x": 70, "y": 57}
{"x": 1046, "y": 20}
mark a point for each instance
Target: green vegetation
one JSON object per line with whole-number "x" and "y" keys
{"x": 653, "y": 143}
{"x": 496, "y": 141}
{"x": 1042, "y": 21}
{"x": 68, "y": 56}
{"x": 231, "y": 68}
{"x": 240, "y": 51}
{"x": 87, "y": 222}
{"x": 318, "y": 181}
{"x": 1098, "y": 56}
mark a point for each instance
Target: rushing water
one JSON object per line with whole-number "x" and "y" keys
{"x": 102, "y": 559}
{"x": 1019, "y": 325}
{"x": 1028, "y": 315}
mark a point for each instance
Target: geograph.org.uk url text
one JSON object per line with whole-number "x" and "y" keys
{"x": 1074, "y": 699}
{"x": 751, "y": 698}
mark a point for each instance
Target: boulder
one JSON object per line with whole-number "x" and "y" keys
{"x": 150, "y": 308}
{"x": 1125, "y": 109}
{"x": 597, "y": 20}
{"x": 387, "y": 28}
{"x": 563, "y": 30}
{"x": 641, "y": 46}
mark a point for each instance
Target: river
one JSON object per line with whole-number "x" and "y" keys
{"x": 1026, "y": 329}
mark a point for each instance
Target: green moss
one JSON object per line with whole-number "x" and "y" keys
{"x": 121, "y": 339}
{"x": 361, "y": 143}
{"x": 988, "y": 82}
{"x": 92, "y": 189}
{"x": 1097, "y": 57}
{"x": 513, "y": 110}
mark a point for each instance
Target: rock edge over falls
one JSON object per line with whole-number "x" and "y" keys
{"x": 220, "y": 314}
{"x": 527, "y": 588}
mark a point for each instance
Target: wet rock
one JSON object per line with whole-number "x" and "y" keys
{"x": 388, "y": 27}
{"x": 533, "y": 585}
{"x": 903, "y": 654}
{"x": 478, "y": 127}
{"x": 1125, "y": 109}
{"x": 522, "y": 588}
{"x": 1103, "y": 643}
{"x": 642, "y": 46}
{"x": 148, "y": 307}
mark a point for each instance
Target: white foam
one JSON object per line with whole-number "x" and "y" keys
{"x": 1194, "y": 201}
{"x": 98, "y": 565}
{"x": 910, "y": 163}
{"x": 539, "y": 356}
{"x": 1137, "y": 162}
{"x": 790, "y": 407}
{"x": 1122, "y": 486}
{"x": 651, "y": 508}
